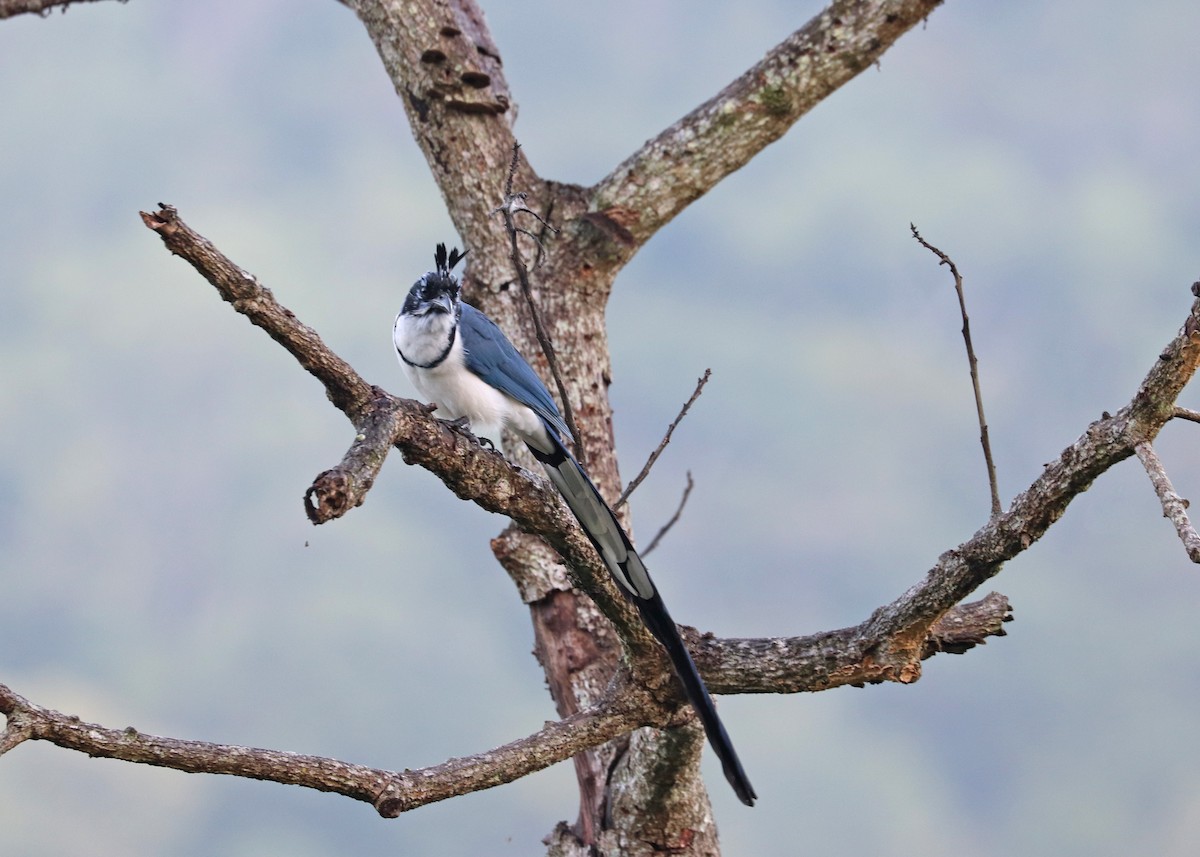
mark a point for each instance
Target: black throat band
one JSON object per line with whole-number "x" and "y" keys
{"x": 437, "y": 361}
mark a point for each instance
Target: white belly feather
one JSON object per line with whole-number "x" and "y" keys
{"x": 456, "y": 390}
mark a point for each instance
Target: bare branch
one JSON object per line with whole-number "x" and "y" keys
{"x": 1187, "y": 414}
{"x": 850, "y": 656}
{"x": 348, "y": 392}
{"x": 335, "y": 492}
{"x": 972, "y": 363}
{"x": 471, "y": 472}
{"x": 390, "y": 792}
{"x": 645, "y": 471}
{"x": 1174, "y": 506}
{"x": 966, "y": 626}
{"x": 687, "y": 491}
{"x": 9, "y": 8}
{"x": 556, "y": 742}
{"x": 654, "y": 184}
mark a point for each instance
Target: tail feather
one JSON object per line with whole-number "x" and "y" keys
{"x": 606, "y": 534}
{"x": 662, "y": 626}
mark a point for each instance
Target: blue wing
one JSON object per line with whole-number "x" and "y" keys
{"x": 494, "y": 359}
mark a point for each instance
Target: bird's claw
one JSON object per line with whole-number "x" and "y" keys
{"x": 462, "y": 425}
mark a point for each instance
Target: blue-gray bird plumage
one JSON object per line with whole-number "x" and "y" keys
{"x": 494, "y": 359}
{"x": 461, "y": 361}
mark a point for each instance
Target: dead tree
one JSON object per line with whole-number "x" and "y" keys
{"x": 635, "y": 746}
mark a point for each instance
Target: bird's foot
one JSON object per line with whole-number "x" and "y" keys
{"x": 462, "y": 425}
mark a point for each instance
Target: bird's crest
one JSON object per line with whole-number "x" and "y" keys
{"x": 446, "y": 264}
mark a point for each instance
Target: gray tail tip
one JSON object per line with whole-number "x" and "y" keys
{"x": 742, "y": 787}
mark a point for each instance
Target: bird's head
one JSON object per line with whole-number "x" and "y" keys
{"x": 438, "y": 290}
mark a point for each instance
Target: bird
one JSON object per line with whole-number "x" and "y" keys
{"x": 459, "y": 360}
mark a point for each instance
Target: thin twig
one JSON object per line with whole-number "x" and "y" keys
{"x": 512, "y": 204}
{"x": 674, "y": 518}
{"x": 1174, "y": 506}
{"x": 645, "y": 471}
{"x": 974, "y": 364}
{"x": 1186, "y": 414}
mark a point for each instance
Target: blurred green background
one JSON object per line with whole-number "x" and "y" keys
{"x": 157, "y": 570}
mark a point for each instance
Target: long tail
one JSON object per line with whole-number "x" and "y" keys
{"x": 605, "y": 532}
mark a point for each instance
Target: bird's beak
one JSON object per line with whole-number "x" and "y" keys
{"x": 441, "y": 303}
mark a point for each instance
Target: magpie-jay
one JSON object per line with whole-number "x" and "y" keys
{"x": 461, "y": 361}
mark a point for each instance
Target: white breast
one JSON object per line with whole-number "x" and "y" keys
{"x": 456, "y": 390}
